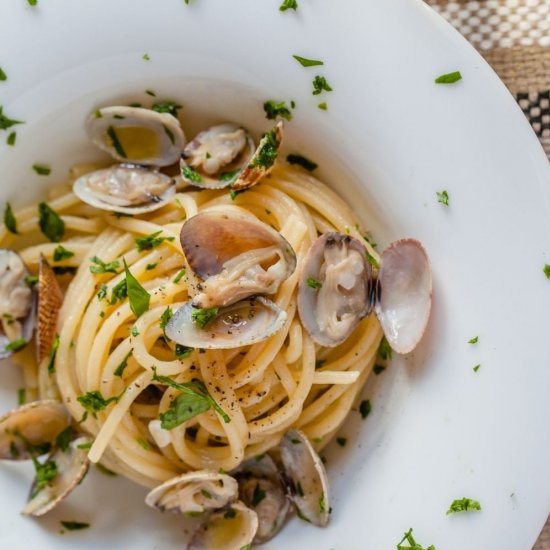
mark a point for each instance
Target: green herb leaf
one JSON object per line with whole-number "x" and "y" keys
{"x": 443, "y": 197}
{"x": 230, "y": 513}
{"x": 119, "y": 292}
{"x": 138, "y": 296}
{"x": 21, "y": 396}
{"x": 165, "y": 317}
{"x": 51, "y": 225}
{"x": 322, "y": 503}
{"x": 45, "y": 473}
{"x": 473, "y": 340}
{"x": 146, "y": 57}
{"x": 179, "y": 276}
{"x": 64, "y": 269}
{"x": 115, "y": 142}
{"x": 288, "y": 5}
{"x": 305, "y": 163}
{"x": 143, "y": 443}
{"x": 372, "y": 260}
{"x": 228, "y": 177}
{"x": 42, "y": 169}
{"x": 135, "y": 332}
{"x": 150, "y": 267}
{"x": 323, "y": 106}
{"x": 31, "y": 280}
{"x": 267, "y": 152}
{"x": 190, "y": 174}
{"x": 184, "y": 407}
{"x": 305, "y": 62}
{"x": 183, "y": 351}
{"x": 102, "y": 292}
{"x": 378, "y": 369}
{"x": 63, "y": 440}
{"x": 342, "y": 441}
{"x": 204, "y": 316}
{"x": 365, "y": 408}
{"x": 61, "y": 253}
{"x": 32, "y": 2}
{"x": 257, "y": 496}
{"x": 94, "y": 402}
{"x": 320, "y": 84}
{"x": 9, "y": 219}
{"x": 314, "y": 283}
{"x": 74, "y": 525}
{"x": 16, "y": 345}
{"x": 476, "y": 368}
{"x": 3, "y": 75}
{"x": 151, "y": 93}
{"x": 170, "y": 107}
{"x": 413, "y": 545}
{"x": 151, "y": 241}
{"x": 6, "y": 122}
{"x": 53, "y": 353}
{"x": 234, "y": 194}
{"x": 119, "y": 371}
{"x": 101, "y": 267}
{"x": 85, "y": 446}
{"x": 384, "y": 349}
{"x": 546, "y": 270}
{"x": 449, "y": 78}
{"x": 319, "y": 363}
{"x": 463, "y": 505}
{"x": 11, "y": 138}
{"x": 274, "y": 109}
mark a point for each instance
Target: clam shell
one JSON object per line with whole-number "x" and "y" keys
{"x": 404, "y": 294}
{"x": 263, "y": 160}
{"x": 194, "y": 492}
{"x": 306, "y": 477}
{"x": 241, "y": 324}
{"x": 331, "y": 313}
{"x": 232, "y": 528}
{"x": 230, "y": 164}
{"x": 133, "y": 134}
{"x": 50, "y": 299}
{"x": 72, "y": 466}
{"x": 31, "y": 425}
{"x": 121, "y": 178}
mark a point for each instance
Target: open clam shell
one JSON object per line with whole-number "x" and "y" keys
{"x": 241, "y": 324}
{"x": 236, "y": 254}
{"x": 133, "y": 134}
{"x": 263, "y": 160}
{"x": 17, "y": 303}
{"x": 261, "y": 490}
{"x": 194, "y": 492}
{"x": 215, "y": 157}
{"x": 335, "y": 288}
{"x": 28, "y": 429}
{"x": 404, "y": 294}
{"x": 125, "y": 188}
{"x": 232, "y": 528}
{"x": 71, "y": 465}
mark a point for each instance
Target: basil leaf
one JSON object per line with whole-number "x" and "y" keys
{"x": 51, "y": 225}
{"x": 138, "y": 296}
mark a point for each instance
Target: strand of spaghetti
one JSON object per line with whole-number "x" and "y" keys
{"x": 80, "y": 251}
{"x": 335, "y": 377}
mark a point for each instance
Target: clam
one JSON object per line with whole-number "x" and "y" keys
{"x": 32, "y": 429}
{"x": 335, "y": 288}
{"x": 404, "y": 294}
{"x": 236, "y": 254}
{"x": 306, "y": 478}
{"x": 50, "y": 299}
{"x": 260, "y": 489}
{"x": 215, "y": 157}
{"x": 241, "y": 324}
{"x": 125, "y": 188}
{"x": 17, "y": 303}
{"x": 194, "y": 492}
{"x": 136, "y": 135}
{"x": 69, "y": 466}
{"x": 262, "y": 161}
{"x": 232, "y": 528}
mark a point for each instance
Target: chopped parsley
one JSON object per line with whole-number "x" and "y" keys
{"x": 63, "y": 440}
{"x": 6, "y": 122}
{"x": 204, "y": 316}
{"x": 288, "y": 5}
{"x": 192, "y": 175}
{"x": 170, "y": 107}
{"x": 546, "y": 270}
{"x": 150, "y": 267}
{"x": 165, "y": 317}
{"x": 74, "y": 525}
{"x": 115, "y": 142}
{"x": 342, "y": 441}
{"x": 443, "y": 197}
{"x": 322, "y": 504}
{"x": 267, "y": 152}
{"x": 319, "y": 363}
{"x": 183, "y": 351}
{"x": 145, "y": 57}
{"x": 9, "y": 219}
{"x": 372, "y": 260}
{"x": 449, "y": 78}
{"x": 45, "y": 473}
{"x": 151, "y": 93}
{"x": 473, "y": 340}
{"x": 320, "y": 84}
{"x": 32, "y": 2}
{"x": 257, "y": 496}
{"x": 170, "y": 134}
{"x": 53, "y": 353}
{"x": 384, "y": 349}
{"x": 134, "y": 332}
{"x": 205, "y": 493}
{"x": 93, "y": 402}
{"x": 378, "y": 369}
{"x": 305, "y": 163}
{"x": 119, "y": 371}
{"x": 42, "y": 169}
{"x": 101, "y": 267}
{"x": 139, "y": 298}
{"x": 85, "y": 446}
{"x": 21, "y": 396}
{"x": 234, "y": 194}
{"x": 64, "y": 269}
{"x": 323, "y": 106}
{"x": 305, "y": 62}
{"x": 476, "y": 368}
{"x": 230, "y": 176}
{"x": 463, "y": 505}
{"x": 61, "y": 253}
{"x": 151, "y": 241}
{"x": 230, "y": 513}
{"x": 3, "y": 75}
{"x": 102, "y": 292}
{"x": 314, "y": 283}
{"x": 179, "y": 276}
{"x": 273, "y": 109}
{"x": 143, "y": 443}
{"x": 365, "y": 408}
{"x": 16, "y": 345}
{"x": 11, "y": 138}
{"x": 413, "y": 545}
{"x": 51, "y": 225}
{"x": 31, "y": 280}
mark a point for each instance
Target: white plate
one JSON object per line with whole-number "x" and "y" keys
{"x": 390, "y": 139}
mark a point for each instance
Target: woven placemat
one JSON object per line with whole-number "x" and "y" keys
{"x": 514, "y": 37}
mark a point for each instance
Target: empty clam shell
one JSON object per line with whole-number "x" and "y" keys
{"x": 237, "y": 254}
{"x": 260, "y": 489}
{"x": 27, "y": 429}
{"x": 232, "y": 528}
{"x": 125, "y": 188}
{"x": 17, "y": 303}
{"x": 194, "y": 492}
{"x": 241, "y": 324}
{"x": 215, "y": 157}
{"x": 70, "y": 467}
{"x": 306, "y": 477}
{"x": 262, "y": 161}
{"x": 334, "y": 288}
{"x": 50, "y": 299}
{"x": 133, "y": 134}
{"x": 404, "y": 294}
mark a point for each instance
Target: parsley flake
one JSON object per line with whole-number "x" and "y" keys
{"x": 165, "y": 317}
{"x": 3, "y": 75}
{"x": 150, "y": 267}
{"x": 320, "y": 84}
{"x": 449, "y": 78}
{"x": 546, "y": 270}
{"x": 11, "y": 139}
{"x": 45, "y": 473}
{"x": 192, "y": 175}
{"x": 304, "y": 162}
{"x": 9, "y": 219}
{"x": 288, "y": 5}
{"x": 267, "y": 152}
{"x": 314, "y": 283}
{"x": 473, "y": 340}
{"x": 273, "y": 109}
{"x": 179, "y": 276}
{"x": 119, "y": 371}
{"x": 115, "y": 142}
{"x": 151, "y": 241}
{"x": 378, "y": 369}
{"x": 6, "y": 122}
{"x": 32, "y": 2}
{"x": 204, "y": 316}
{"x": 305, "y": 62}
{"x": 51, "y": 224}
{"x": 384, "y": 349}
{"x": 94, "y": 402}
{"x": 463, "y": 505}
{"x": 170, "y": 107}
{"x": 16, "y": 345}
{"x": 63, "y": 439}
{"x": 183, "y": 352}
{"x": 146, "y": 57}
{"x": 101, "y": 267}
{"x": 42, "y": 169}
{"x": 74, "y": 525}
{"x": 365, "y": 408}
{"x": 61, "y": 253}
{"x": 476, "y": 368}
{"x": 443, "y": 197}
{"x": 257, "y": 496}
{"x": 323, "y": 106}
{"x": 52, "y": 355}
{"x": 342, "y": 441}
{"x": 413, "y": 545}
{"x": 21, "y": 396}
